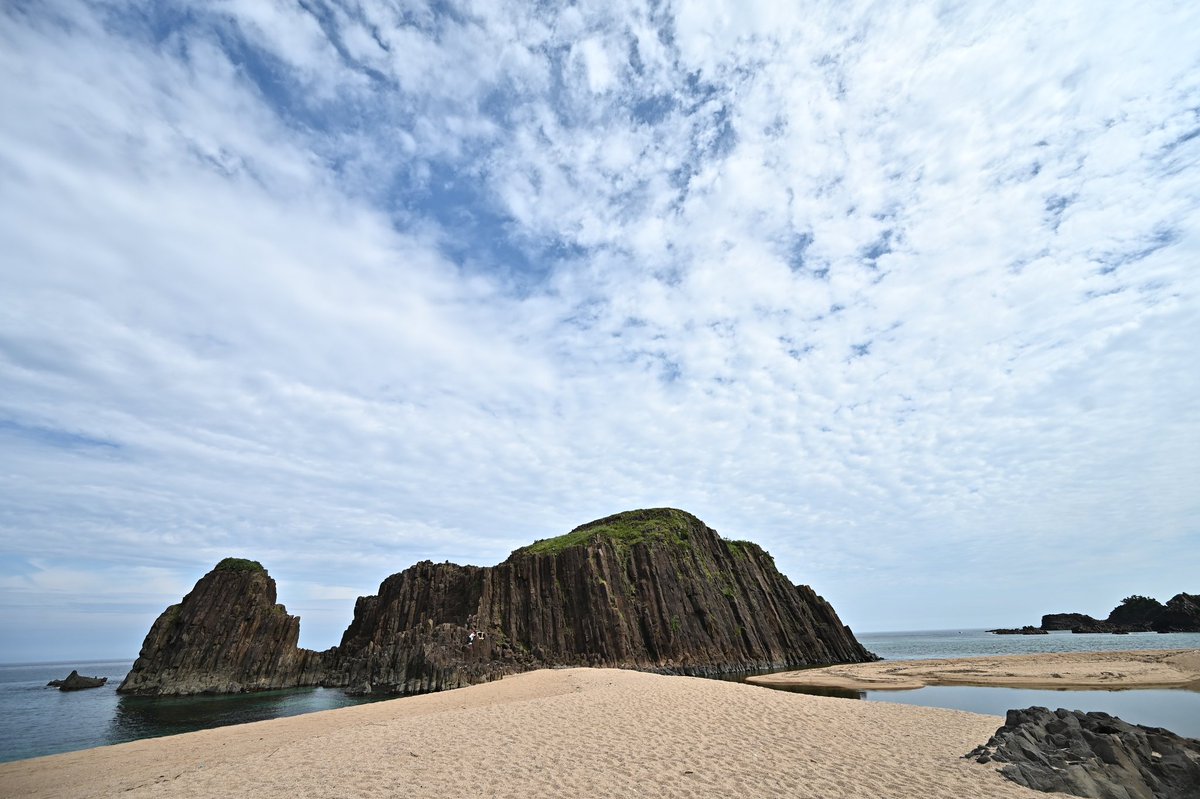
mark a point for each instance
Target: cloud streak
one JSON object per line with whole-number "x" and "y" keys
{"x": 903, "y": 293}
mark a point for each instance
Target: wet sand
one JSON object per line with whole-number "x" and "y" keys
{"x": 570, "y": 732}
{"x": 1172, "y": 668}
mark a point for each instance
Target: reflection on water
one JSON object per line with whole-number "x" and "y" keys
{"x": 1175, "y": 709}
{"x": 148, "y": 717}
{"x": 818, "y": 690}
{"x": 36, "y": 720}
{"x": 929, "y": 644}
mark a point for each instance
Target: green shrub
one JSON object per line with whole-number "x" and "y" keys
{"x": 666, "y": 525}
{"x": 239, "y": 565}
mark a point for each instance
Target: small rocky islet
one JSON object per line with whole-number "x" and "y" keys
{"x": 77, "y": 682}
{"x": 656, "y": 590}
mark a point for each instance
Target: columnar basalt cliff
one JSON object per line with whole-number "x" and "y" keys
{"x": 226, "y": 636}
{"x": 652, "y": 589}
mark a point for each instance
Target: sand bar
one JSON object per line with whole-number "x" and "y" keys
{"x": 1169, "y": 668}
{"x": 571, "y": 732}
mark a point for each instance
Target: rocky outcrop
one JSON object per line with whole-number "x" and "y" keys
{"x": 652, "y": 589}
{"x": 1106, "y": 627}
{"x": 1135, "y": 614}
{"x": 1181, "y": 615}
{"x": 1094, "y": 755}
{"x": 76, "y": 682}
{"x": 1067, "y": 621}
{"x": 1028, "y": 629}
{"x": 1083, "y": 623}
{"x": 227, "y": 636}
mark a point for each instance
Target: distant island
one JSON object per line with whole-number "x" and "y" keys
{"x": 1181, "y": 614}
{"x": 655, "y": 590}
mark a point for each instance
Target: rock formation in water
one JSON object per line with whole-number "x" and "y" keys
{"x": 653, "y": 589}
{"x": 1181, "y": 615}
{"x": 226, "y": 636}
{"x": 1028, "y": 629}
{"x": 76, "y": 682}
{"x": 1135, "y": 614}
{"x": 1067, "y": 621}
{"x": 1094, "y": 755}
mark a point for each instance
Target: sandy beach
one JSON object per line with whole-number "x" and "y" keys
{"x": 1171, "y": 668}
{"x": 571, "y": 732}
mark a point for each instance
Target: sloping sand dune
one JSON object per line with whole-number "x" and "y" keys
{"x": 1164, "y": 668}
{"x": 572, "y": 732}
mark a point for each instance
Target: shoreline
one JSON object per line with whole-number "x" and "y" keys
{"x": 1113, "y": 671}
{"x": 594, "y": 732}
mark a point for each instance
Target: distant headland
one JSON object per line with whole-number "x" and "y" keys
{"x": 1181, "y": 614}
{"x": 655, "y": 590}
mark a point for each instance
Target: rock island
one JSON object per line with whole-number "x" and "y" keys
{"x": 653, "y": 590}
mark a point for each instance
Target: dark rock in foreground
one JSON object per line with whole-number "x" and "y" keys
{"x": 1028, "y": 629}
{"x": 1093, "y": 755}
{"x": 655, "y": 590}
{"x": 76, "y": 682}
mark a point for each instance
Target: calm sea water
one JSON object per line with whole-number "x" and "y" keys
{"x": 1177, "y": 710}
{"x": 36, "y": 720}
{"x": 931, "y": 644}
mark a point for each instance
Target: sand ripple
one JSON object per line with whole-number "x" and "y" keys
{"x": 571, "y": 732}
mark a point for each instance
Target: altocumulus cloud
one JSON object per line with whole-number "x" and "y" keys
{"x": 907, "y": 293}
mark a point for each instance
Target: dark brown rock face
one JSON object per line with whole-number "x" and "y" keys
{"x": 653, "y": 590}
{"x": 1094, "y": 755}
{"x": 1181, "y": 615}
{"x": 226, "y": 636}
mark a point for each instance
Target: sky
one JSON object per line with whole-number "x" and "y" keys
{"x": 907, "y": 293}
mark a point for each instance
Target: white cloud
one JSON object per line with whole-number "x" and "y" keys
{"x": 869, "y": 286}
{"x": 600, "y": 74}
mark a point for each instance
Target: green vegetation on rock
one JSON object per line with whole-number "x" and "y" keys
{"x": 239, "y": 565}
{"x": 738, "y": 548}
{"x": 666, "y": 525}
{"x": 170, "y": 615}
{"x": 1136, "y": 609}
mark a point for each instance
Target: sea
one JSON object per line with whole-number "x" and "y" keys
{"x": 36, "y": 720}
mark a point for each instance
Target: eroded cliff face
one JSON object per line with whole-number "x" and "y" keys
{"x": 227, "y": 636}
{"x": 652, "y": 589}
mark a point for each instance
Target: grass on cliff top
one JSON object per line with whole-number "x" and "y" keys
{"x": 239, "y": 565}
{"x": 625, "y": 529}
